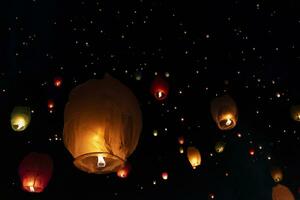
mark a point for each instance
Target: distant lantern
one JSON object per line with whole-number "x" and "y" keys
{"x": 224, "y": 112}
{"x": 276, "y": 174}
{"x": 281, "y": 192}
{"x": 181, "y": 150}
{"x": 251, "y": 152}
{"x": 220, "y": 146}
{"x": 20, "y": 118}
{"x": 160, "y": 88}
{"x": 165, "y": 175}
{"x": 102, "y": 125}
{"x": 181, "y": 140}
{"x": 124, "y": 171}
{"x": 295, "y": 112}
{"x": 57, "y": 81}
{"x": 50, "y": 104}
{"x": 35, "y": 172}
{"x": 194, "y": 156}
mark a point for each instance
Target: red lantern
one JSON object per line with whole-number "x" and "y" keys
{"x": 164, "y": 175}
{"x": 160, "y": 88}
{"x": 57, "y": 81}
{"x": 181, "y": 140}
{"x": 251, "y": 152}
{"x": 35, "y": 171}
{"x": 50, "y": 104}
{"x": 124, "y": 171}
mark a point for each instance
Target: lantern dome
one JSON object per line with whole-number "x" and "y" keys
{"x": 194, "y": 156}
{"x": 281, "y": 192}
{"x": 224, "y": 112}
{"x": 35, "y": 171}
{"x": 102, "y": 125}
{"x": 20, "y": 118}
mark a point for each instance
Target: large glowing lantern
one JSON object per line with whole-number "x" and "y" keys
{"x": 102, "y": 125}
{"x": 194, "y": 156}
{"x": 35, "y": 171}
{"x": 295, "y": 112}
{"x": 276, "y": 174}
{"x": 20, "y": 118}
{"x": 160, "y": 88}
{"x": 124, "y": 171}
{"x": 220, "y": 146}
{"x": 281, "y": 192}
{"x": 224, "y": 112}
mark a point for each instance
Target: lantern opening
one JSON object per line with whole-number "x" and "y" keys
{"x": 31, "y": 188}
{"x": 19, "y": 124}
{"x": 101, "y": 161}
{"x": 160, "y": 94}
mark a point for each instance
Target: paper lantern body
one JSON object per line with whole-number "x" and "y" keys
{"x": 220, "y": 146}
{"x": 224, "y": 112}
{"x": 35, "y": 172}
{"x": 281, "y": 192}
{"x": 164, "y": 175}
{"x": 295, "y": 112}
{"x": 160, "y": 88}
{"x": 194, "y": 156}
{"x": 57, "y": 81}
{"x": 277, "y": 174}
{"x": 102, "y": 125}
{"x": 20, "y": 118}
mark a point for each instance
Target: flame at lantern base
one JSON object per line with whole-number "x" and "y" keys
{"x": 101, "y": 161}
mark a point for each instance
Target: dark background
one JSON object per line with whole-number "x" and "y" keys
{"x": 248, "y": 49}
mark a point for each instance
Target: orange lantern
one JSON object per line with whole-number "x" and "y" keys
{"x": 281, "y": 192}
{"x": 124, "y": 171}
{"x": 224, "y": 112}
{"x": 276, "y": 174}
{"x": 165, "y": 175}
{"x": 194, "y": 156}
{"x": 57, "y": 81}
{"x": 102, "y": 125}
{"x": 181, "y": 140}
{"x": 50, "y": 104}
{"x": 35, "y": 172}
{"x": 160, "y": 88}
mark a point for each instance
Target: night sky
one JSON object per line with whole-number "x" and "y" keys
{"x": 203, "y": 49}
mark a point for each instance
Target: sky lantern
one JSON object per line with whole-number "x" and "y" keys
{"x": 165, "y": 175}
{"x": 224, "y": 112}
{"x": 295, "y": 112}
{"x": 181, "y": 140}
{"x": 57, "y": 81}
{"x": 102, "y": 125}
{"x": 20, "y": 118}
{"x": 281, "y": 192}
{"x": 160, "y": 88}
{"x": 35, "y": 171}
{"x": 251, "y": 152}
{"x": 276, "y": 174}
{"x": 50, "y": 104}
{"x": 124, "y": 171}
{"x": 220, "y": 146}
{"x": 194, "y": 156}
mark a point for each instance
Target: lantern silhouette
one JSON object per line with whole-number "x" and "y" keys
{"x": 295, "y": 112}
{"x": 276, "y": 174}
{"x": 281, "y": 192}
{"x": 194, "y": 156}
{"x": 160, "y": 88}
{"x": 35, "y": 171}
{"x": 224, "y": 112}
{"x": 102, "y": 125}
{"x": 124, "y": 171}
{"x": 20, "y": 118}
{"x": 181, "y": 140}
{"x": 57, "y": 81}
{"x": 220, "y": 146}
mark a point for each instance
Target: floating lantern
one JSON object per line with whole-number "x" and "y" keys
{"x": 102, "y": 125}
{"x": 181, "y": 140}
{"x": 194, "y": 156}
{"x": 295, "y": 112}
{"x": 281, "y": 192}
{"x": 165, "y": 175}
{"x": 220, "y": 146}
{"x": 20, "y": 118}
{"x": 50, "y": 104}
{"x": 124, "y": 171}
{"x": 35, "y": 172}
{"x": 181, "y": 150}
{"x": 160, "y": 88}
{"x": 251, "y": 152}
{"x": 224, "y": 112}
{"x": 277, "y": 174}
{"x": 57, "y": 81}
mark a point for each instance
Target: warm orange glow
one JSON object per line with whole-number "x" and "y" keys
{"x": 57, "y": 81}
{"x": 124, "y": 171}
{"x": 281, "y": 192}
{"x": 165, "y": 175}
{"x": 50, "y": 104}
{"x": 181, "y": 140}
{"x": 277, "y": 174}
{"x": 220, "y": 146}
{"x": 295, "y": 112}
{"x": 159, "y": 88}
{"x": 251, "y": 152}
{"x": 194, "y": 156}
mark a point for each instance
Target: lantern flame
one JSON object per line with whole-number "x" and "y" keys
{"x": 20, "y": 123}
{"x": 100, "y": 161}
{"x": 228, "y": 120}
{"x": 31, "y": 188}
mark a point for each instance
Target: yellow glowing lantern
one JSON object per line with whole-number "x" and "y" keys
{"x": 220, "y": 146}
{"x": 20, "y": 118}
{"x": 224, "y": 112}
{"x": 281, "y": 192}
{"x": 194, "y": 156}
{"x": 277, "y": 174}
{"x": 102, "y": 125}
{"x": 181, "y": 150}
{"x": 295, "y": 112}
